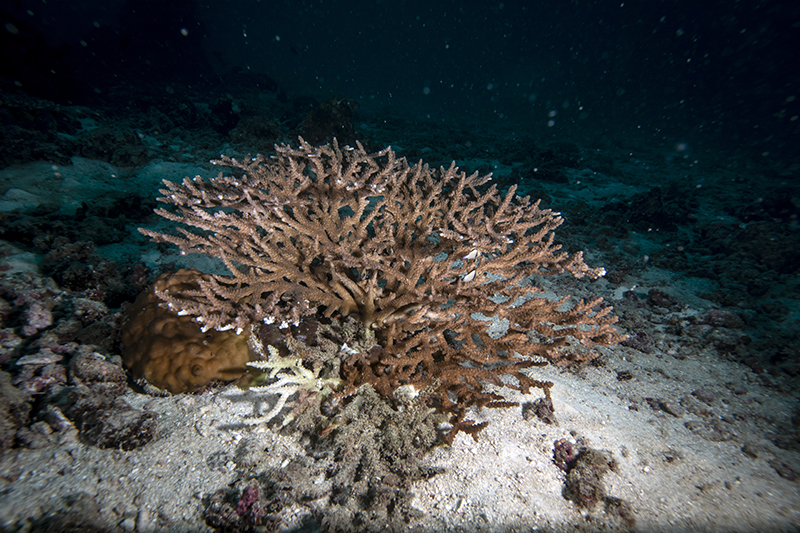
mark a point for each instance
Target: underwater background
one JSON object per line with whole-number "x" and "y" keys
{"x": 666, "y": 133}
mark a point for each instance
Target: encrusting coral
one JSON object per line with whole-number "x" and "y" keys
{"x": 426, "y": 259}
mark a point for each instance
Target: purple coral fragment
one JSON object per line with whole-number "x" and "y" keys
{"x": 250, "y": 495}
{"x": 563, "y": 454}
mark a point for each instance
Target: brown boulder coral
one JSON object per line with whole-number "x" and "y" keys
{"x": 171, "y": 351}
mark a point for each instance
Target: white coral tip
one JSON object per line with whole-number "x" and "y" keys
{"x": 348, "y": 350}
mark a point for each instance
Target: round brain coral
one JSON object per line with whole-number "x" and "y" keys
{"x": 172, "y": 352}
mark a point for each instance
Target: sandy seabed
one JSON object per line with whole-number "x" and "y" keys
{"x": 678, "y": 471}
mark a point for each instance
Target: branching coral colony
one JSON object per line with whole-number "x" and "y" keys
{"x": 422, "y": 257}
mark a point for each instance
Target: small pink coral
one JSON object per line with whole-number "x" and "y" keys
{"x": 250, "y": 495}
{"x": 37, "y": 316}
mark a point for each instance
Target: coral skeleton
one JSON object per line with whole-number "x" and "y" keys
{"x": 287, "y": 376}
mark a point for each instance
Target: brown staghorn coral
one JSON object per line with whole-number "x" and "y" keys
{"x": 426, "y": 259}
